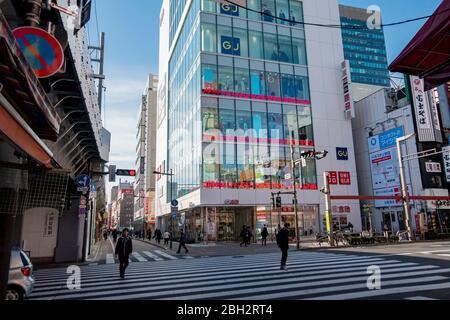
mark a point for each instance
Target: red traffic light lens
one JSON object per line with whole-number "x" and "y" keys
{"x": 132, "y": 173}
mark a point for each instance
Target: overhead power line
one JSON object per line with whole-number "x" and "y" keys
{"x": 336, "y": 26}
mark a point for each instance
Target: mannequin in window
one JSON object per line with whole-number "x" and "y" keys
{"x": 267, "y": 14}
{"x": 282, "y": 16}
{"x": 293, "y": 20}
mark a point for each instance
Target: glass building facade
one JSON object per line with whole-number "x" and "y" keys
{"x": 365, "y": 48}
{"x": 239, "y": 96}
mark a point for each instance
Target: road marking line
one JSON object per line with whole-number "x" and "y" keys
{"x": 110, "y": 259}
{"x": 443, "y": 255}
{"x": 187, "y": 257}
{"x": 419, "y": 298}
{"x": 139, "y": 257}
{"x": 383, "y": 292}
{"x": 435, "y": 251}
{"x": 165, "y": 255}
{"x": 152, "y": 256}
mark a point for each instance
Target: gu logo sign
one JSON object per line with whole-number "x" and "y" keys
{"x": 229, "y": 9}
{"x": 231, "y": 45}
{"x": 342, "y": 154}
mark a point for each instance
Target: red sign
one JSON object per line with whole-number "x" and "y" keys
{"x": 345, "y": 178}
{"x": 42, "y": 51}
{"x": 332, "y": 177}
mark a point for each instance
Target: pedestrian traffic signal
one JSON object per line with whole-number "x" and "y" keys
{"x": 126, "y": 173}
{"x": 112, "y": 173}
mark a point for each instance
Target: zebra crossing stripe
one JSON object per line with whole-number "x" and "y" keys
{"x": 208, "y": 281}
{"x": 139, "y": 257}
{"x": 152, "y": 256}
{"x": 165, "y": 255}
{"x": 419, "y": 299}
{"x": 444, "y": 255}
{"x": 382, "y": 292}
{"x": 110, "y": 258}
{"x": 187, "y": 257}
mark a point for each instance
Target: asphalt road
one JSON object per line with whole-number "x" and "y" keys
{"x": 416, "y": 271}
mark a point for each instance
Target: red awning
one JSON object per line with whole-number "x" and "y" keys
{"x": 14, "y": 128}
{"x": 428, "y": 54}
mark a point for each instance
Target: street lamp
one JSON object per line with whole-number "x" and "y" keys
{"x": 170, "y": 174}
{"x": 404, "y": 186}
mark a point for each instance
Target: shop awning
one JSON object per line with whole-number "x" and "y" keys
{"x": 23, "y": 89}
{"x": 16, "y": 129}
{"x": 428, "y": 54}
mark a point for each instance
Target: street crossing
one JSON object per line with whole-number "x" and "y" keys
{"x": 310, "y": 275}
{"x": 145, "y": 256}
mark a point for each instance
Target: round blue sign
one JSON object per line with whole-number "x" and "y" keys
{"x": 83, "y": 181}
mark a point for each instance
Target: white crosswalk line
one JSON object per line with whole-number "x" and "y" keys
{"x": 187, "y": 257}
{"x": 311, "y": 275}
{"x": 444, "y": 255}
{"x": 110, "y": 259}
{"x": 419, "y": 298}
{"x": 139, "y": 257}
{"x": 152, "y": 256}
{"x": 165, "y": 255}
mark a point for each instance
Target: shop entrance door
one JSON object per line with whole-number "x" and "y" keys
{"x": 225, "y": 226}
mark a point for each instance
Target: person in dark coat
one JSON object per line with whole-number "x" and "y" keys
{"x": 283, "y": 244}
{"x": 248, "y": 236}
{"x": 243, "y": 235}
{"x": 114, "y": 235}
{"x": 124, "y": 248}
{"x": 264, "y": 235}
{"x": 149, "y": 235}
{"x": 182, "y": 242}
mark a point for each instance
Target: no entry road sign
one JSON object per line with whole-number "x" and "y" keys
{"x": 42, "y": 51}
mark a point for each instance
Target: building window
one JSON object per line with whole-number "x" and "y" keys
{"x": 258, "y": 83}
{"x": 271, "y": 47}
{"x": 301, "y": 88}
{"x": 208, "y": 37}
{"x": 226, "y": 82}
{"x": 299, "y": 51}
{"x": 209, "y": 78}
{"x": 240, "y": 36}
{"x": 305, "y": 129}
{"x": 256, "y": 45}
{"x": 288, "y": 86}
{"x": 282, "y": 11}
{"x": 256, "y": 6}
{"x": 285, "y": 49}
{"x": 273, "y": 84}
{"x": 268, "y": 10}
{"x": 242, "y": 81}
{"x": 296, "y": 12}
{"x": 208, "y": 5}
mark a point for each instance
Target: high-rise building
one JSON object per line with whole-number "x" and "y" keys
{"x": 146, "y": 153}
{"x": 125, "y": 205}
{"x": 237, "y": 87}
{"x": 365, "y": 48}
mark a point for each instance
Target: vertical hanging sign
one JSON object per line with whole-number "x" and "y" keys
{"x": 348, "y": 94}
{"x": 422, "y": 110}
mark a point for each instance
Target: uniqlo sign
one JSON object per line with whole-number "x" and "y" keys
{"x": 344, "y": 178}
{"x": 332, "y": 177}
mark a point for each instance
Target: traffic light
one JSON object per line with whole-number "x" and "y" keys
{"x": 279, "y": 203}
{"x": 308, "y": 155}
{"x": 112, "y": 173}
{"x": 126, "y": 172}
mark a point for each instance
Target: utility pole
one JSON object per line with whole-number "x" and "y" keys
{"x": 297, "y": 230}
{"x": 100, "y": 58}
{"x": 405, "y": 193}
{"x": 328, "y": 211}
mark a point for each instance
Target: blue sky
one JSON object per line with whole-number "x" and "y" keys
{"x": 132, "y": 36}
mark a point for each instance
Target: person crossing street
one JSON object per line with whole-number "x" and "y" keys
{"x": 124, "y": 248}
{"x": 283, "y": 244}
{"x": 182, "y": 243}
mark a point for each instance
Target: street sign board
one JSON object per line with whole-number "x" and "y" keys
{"x": 42, "y": 50}
{"x": 174, "y": 203}
{"x": 83, "y": 181}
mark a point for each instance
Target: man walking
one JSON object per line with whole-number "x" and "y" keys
{"x": 264, "y": 235}
{"x": 182, "y": 242}
{"x": 166, "y": 238}
{"x": 124, "y": 248}
{"x": 283, "y": 244}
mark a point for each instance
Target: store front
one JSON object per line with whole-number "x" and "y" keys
{"x": 308, "y": 220}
